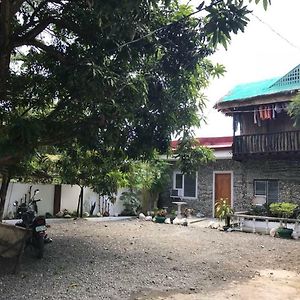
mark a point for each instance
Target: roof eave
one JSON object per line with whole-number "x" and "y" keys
{"x": 224, "y": 106}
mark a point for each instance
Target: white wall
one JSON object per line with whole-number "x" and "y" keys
{"x": 69, "y": 198}
{"x": 17, "y": 191}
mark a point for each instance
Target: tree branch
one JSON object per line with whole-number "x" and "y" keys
{"x": 48, "y": 49}
{"x": 34, "y": 32}
{"x": 16, "y": 5}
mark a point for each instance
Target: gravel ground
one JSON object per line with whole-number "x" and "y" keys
{"x": 142, "y": 260}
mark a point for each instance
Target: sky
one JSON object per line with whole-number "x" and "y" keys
{"x": 257, "y": 54}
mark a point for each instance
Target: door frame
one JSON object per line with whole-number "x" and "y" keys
{"x": 214, "y": 181}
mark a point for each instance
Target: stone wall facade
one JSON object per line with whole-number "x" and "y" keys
{"x": 287, "y": 172}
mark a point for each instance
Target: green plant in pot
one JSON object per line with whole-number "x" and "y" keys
{"x": 160, "y": 216}
{"x": 283, "y": 210}
{"x": 223, "y": 211}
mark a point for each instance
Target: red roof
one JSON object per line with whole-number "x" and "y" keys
{"x": 223, "y": 142}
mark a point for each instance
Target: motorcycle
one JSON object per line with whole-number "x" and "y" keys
{"x": 37, "y": 224}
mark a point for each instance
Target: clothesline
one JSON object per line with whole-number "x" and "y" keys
{"x": 246, "y": 111}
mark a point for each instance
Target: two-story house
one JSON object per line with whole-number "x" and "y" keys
{"x": 266, "y": 144}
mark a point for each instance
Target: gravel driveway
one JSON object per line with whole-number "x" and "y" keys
{"x": 142, "y": 260}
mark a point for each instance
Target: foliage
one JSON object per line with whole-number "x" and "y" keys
{"x": 148, "y": 179}
{"x": 151, "y": 175}
{"x": 223, "y": 209}
{"x": 294, "y": 110}
{"x": 191, "y": 155}
{"x": 131, "y": 202}
{"x": 161, "y": 213}
{"x": 283, "y": 209}
{"x": 115, "y": 78}
{"x": 259, "y": 210}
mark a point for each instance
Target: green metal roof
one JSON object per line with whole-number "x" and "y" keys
{"x": 288, "y": 82}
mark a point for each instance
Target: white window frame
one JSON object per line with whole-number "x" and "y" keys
{"x": 266, "y": 189}
{"x": 181, "y": 191}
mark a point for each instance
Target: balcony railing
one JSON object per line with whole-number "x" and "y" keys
{"x": 269, "y": 143}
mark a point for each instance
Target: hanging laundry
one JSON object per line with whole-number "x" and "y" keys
{"x": 269, "y": 112}
{"x": 273, "y": 112}
{"x": 255, "y": 116}
{"x": 261, "y": 112}
{"x": 266, "y": 113}
{"x": 258, "y": 120}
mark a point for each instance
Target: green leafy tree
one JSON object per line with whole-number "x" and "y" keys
{"x": 148, "y": 179}
{"x": 115, "y": 75}
{"x": 191, "y": 155}
{"x": 294, "y": 110}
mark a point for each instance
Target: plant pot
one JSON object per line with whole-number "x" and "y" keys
{"x": 225, "y": 228}
{"x": 159, "y": 219}
{"x": 285, "y": 233}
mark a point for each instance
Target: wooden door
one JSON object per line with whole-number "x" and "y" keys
{"x": 223, "y": 187}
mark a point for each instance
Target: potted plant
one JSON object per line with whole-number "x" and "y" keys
{"x": 283, "y": 210}
{"x": 223, "y": 211}
{"x": 160, "y": 215}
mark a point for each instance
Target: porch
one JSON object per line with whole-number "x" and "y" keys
{"x": 279, "y": 145}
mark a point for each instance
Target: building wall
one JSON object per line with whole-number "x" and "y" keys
{"x": 287, "y": 172}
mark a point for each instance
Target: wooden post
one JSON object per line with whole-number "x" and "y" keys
{"x": 57, "y": 199}
{"x": 3, "y": 192}
{"x": 253, "y": 228}
{"x": 81, "y": 203}
{"x": 267, "y": 226}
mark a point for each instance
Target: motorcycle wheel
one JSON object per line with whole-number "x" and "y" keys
{"x": 39, "y": 247}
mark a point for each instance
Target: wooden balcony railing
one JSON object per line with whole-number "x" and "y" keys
{"x": 269, "y": 143}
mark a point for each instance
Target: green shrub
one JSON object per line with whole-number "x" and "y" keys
{"x": 258, "y": 210}
{"x": 283, "y": 209}
{"x": 223, "y": 209}
{"x": 131, "y": 202}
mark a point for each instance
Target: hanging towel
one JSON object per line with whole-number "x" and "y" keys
{"x": 269, "y": 112}
{"x": 255, "y": 115}
{"x": 266, "y": 113}
{"x": 273, "y": 112}
{"x": 261, "y": 112}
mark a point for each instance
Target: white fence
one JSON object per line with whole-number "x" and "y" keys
{"x": 69, "y": 199}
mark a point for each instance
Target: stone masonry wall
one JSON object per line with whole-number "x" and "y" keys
{"x": 287, "y": 172}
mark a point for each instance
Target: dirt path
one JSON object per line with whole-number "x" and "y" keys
{"x": 267, "y": 284}
{"x": 142, "y": 260}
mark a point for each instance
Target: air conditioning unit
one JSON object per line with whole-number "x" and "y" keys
{"x": 177, "y": 193}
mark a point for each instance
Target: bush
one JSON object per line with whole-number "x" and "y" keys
{"x": 223, "y": 209}
{"x": 258, "y": 210}
{"x": 131, "y": 203}
{"x": 283, "y": 209}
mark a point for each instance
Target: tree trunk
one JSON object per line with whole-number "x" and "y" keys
{"x": 81, "y": 203}
{"x": 5, "y": 47}
{"x": 3, "y": 192}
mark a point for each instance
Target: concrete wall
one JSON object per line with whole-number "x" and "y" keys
{"x": 70, "y": 194}
{"x": 69, "y": 198}
{"x": 17, "y": 191}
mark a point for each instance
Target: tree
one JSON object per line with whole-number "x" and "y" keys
{"x": 147, "y": 179}
{"x": 294, "y": 109}
{"x": 110, "y": 75}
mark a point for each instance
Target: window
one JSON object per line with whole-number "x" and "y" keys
{"x": 267, "y": 188}
{"x": 184, "y": 185}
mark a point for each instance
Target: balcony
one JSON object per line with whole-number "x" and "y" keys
{"x": 276, "y": 145}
